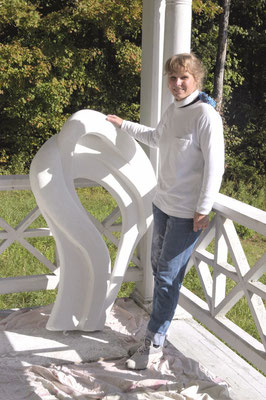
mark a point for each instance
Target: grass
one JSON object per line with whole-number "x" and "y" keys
{"x": 17, "y": 261}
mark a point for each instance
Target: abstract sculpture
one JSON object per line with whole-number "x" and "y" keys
{"x": 90, "y": 147}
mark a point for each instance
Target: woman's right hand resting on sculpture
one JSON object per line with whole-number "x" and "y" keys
{"x": 115, "y": 120}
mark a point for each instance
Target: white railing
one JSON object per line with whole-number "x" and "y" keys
{"x": 213, "y": 268}
{"x": 48, "y": 281}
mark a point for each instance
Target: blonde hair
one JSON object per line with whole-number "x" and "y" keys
{"x": 190, "y": 63}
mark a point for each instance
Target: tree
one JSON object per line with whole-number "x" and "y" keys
{"x": 221, "y": 53}
{"x": 245, "y": 111}
{"x": 57, "y": 57}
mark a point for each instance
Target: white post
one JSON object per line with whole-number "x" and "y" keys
{"x": 150, "y": 113}
{"x": 166, "y": 30}
{"x": 152, "y": 66}
{"x": 177, "y": 37}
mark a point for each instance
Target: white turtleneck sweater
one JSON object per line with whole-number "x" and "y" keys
{"x": 191, "y": 156}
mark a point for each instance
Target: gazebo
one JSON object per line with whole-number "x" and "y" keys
{"x": 70, "y": 364}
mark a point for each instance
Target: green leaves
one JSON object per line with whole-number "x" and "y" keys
{"x": 60, "y": 56}
{"x": 57, "y": 57}
{"x": 19, "y": 13}
{"x": 208, "y": 8}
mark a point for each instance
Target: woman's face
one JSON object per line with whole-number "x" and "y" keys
{"x": 181, "y": 84}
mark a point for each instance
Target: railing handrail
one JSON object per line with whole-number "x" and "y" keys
{"x": 242, "y": 213}
{"x": 22, "y": 182}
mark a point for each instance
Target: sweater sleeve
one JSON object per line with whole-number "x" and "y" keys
{"x": 144, "y": 134}
{"x": 211, "y": 140}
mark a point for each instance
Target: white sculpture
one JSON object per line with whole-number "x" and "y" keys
{"x": 90, "y": 147}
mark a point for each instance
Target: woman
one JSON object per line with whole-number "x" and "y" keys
{"x": 191, "y": 166}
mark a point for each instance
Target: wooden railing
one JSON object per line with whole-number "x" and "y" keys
{"x": 226, "y": 261}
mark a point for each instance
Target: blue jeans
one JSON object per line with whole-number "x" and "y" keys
{"x": 172, "y": 244}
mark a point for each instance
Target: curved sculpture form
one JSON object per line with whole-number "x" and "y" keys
{"x": 90, "y": 147}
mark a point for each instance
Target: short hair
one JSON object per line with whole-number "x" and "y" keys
{"x": 190, "y": 63}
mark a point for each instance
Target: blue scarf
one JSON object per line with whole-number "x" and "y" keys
{"x": 207, "y": 99}
{"x": 203, "y": 97}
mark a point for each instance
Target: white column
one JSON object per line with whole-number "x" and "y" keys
{"x": 152, "y": 66}
{"x": 177, "y": 37}
{"x": 150, "y": 113}
{"x": 166, "y": 30}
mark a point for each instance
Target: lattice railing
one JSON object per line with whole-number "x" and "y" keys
{"x": 226, "y": 262}
{"x": 20, "y": 233}
{"x": 9, "y": 235}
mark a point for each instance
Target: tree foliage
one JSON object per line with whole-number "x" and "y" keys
{"x": 57, "y": 57}
{"x": 244, "y": 82}
{"x": 245, "y": 110}
{"x": 60, "y": 56}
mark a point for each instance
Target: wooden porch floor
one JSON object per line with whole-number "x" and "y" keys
{"x": 195, "y": 342}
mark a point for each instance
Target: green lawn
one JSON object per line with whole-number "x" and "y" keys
{"x": 16, "y": 261}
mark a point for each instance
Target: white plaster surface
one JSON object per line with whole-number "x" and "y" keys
{"x": 90, "y": 147}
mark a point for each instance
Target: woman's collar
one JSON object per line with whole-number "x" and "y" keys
{"x": 187, "y": 100}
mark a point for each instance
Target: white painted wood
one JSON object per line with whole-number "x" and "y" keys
{"x": 244, "y": 214}
{"x": 111, "y": 218}
{"x": 5, "y": 244}
{"x": 22, "y": 182}
{"x": 220, "y": 256}
{"x": 257, "y": 270}
{"x": 229, "y": 271}
{"x": 195, "y": 342}
{"x": 229, "y": 301}
{"x": 239, "y": 340}
{"x": 205, "y": 280}
{"x": 257, "y": 309}
{"x": 15, "y": 182}
{"x": 257, "y": 288}
{"x": 153, "y": 21}
{"x": 49, "y": 281}
{"x": 212, "y": 312}
{"x": 205, "y": 256}
{"x": 34, "y": 214}
{"x": 28, "y": 283}
{"x": 133, "y": 274}
{"x": 18, "y": 233}
{"x": 235, "y": 248}
{"x": 37, "y": 254}
{"x": 177, "y": 36}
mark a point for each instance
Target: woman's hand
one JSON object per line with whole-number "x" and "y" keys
{"x": 115, "y": 120}
{"x": 201, "y": 221}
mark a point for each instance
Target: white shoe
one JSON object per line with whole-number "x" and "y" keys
{"x": 145, "y": 355}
